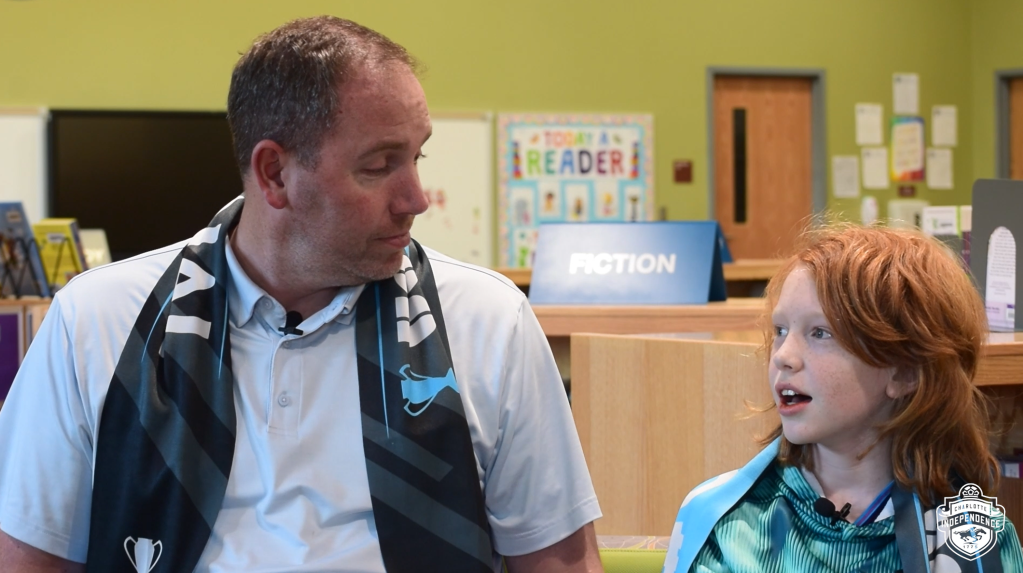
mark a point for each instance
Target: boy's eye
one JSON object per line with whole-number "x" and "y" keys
{"x": 780, "y": 331}
{"x": 821, "y": 333}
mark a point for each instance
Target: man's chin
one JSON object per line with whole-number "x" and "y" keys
{"x": 382, "y": 271}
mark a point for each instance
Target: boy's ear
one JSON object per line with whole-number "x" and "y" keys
{"x": 905, "y": 380}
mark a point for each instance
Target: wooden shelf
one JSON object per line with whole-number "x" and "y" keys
{"x": 751, "y": 269}
{"x": 732, "y": 314}
{"x": 24, "y": 301}
{"x": 518, "y": 276}
{"x": 1001, "y": 362}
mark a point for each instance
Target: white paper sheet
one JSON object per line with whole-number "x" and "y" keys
{"x": 1000, "y": 287}
{"x": 940, "y": 220}
{"x": 875, "y": 167}
{"x": 845, "y": 176}
{"x": 906, "y": 94}
{"x": 907, "y": 147}
{"x": 965, "y": 218}
{"x": 944, "y": 129}
{"x": 869, "y": 121}
{"x": 868, "y": 210}
{"x": 906, "y": 213}
{"x": 939, "y": 168}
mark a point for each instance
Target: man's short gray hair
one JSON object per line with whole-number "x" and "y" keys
{"x": 285, "y": 88}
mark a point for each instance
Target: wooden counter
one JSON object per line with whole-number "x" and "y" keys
{"x": 559, "y": 322}
{"x": 659, "y": 414}
{"x": 740, "y": 270}
{"x": 1002, "y": 362}
{"x": 732, "y": 314}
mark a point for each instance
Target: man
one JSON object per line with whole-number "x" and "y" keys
{"x": 298, "y": 387}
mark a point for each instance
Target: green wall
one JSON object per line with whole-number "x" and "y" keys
{"x": 529, "y": 55}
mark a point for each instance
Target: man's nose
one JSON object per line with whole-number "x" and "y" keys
{"x": 411, "y": 197}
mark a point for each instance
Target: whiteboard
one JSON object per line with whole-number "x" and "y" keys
{"x": 23, "y": 159}
{"x": 457, "y": 175}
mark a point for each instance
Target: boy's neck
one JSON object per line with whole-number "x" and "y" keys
{"x": 844, "y": 478}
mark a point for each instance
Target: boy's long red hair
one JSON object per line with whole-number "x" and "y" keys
{"x": 897, "y": 298}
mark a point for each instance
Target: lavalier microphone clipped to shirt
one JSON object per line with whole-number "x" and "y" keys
{"x": 291, "y": 321}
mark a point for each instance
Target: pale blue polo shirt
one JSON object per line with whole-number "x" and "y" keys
{"x": 297, "y": 498}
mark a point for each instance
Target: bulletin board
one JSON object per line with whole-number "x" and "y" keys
{"x": 457, "y": 175}
{"x": 570, "y": 168}
{"x": 23, "y": 159}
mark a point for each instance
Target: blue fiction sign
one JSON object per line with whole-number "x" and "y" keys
{"x": 672, "y": 262}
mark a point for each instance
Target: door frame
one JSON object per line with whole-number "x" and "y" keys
{"x": 1002, "y": 151}
{"x": 818, "y": 127}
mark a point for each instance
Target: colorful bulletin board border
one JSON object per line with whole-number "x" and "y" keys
{"x": 907, "y": 148}
{"x": 559, "y": 168}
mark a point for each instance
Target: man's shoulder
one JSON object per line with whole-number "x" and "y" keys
{"x": 453, "y": 273}
{"x": 116, "y": 285}
{"x": 475, "y": 298}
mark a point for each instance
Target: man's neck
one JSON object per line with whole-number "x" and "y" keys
{"x": 269, "y": 270}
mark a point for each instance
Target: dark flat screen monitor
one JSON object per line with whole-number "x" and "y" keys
{"x": 149, "y": 179}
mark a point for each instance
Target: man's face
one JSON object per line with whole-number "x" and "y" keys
{"x": 353, "y": 212}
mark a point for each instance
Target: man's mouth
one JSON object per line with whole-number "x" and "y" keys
{"x": 400, "y": 240}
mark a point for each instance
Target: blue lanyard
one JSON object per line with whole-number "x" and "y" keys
{"x": 876, "y": 506}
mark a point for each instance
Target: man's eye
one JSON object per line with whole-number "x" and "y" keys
{"x": 418, "y": 157}
{"x": 821, "y": 333}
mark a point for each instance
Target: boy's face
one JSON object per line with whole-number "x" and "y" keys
{"x": 825, "y": 394}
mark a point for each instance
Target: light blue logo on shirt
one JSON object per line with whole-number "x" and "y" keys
{"x": 416, "y": 389}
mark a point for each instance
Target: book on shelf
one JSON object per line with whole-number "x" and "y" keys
{"x": 21, "y": 268}
{"x": 1010, "y": 467}
{"x": 12, "y": 346}
{"x": 60, "y": 248}
{"x": 94, "y": 244}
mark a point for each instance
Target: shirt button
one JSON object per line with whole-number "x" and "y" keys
{"x": 283, "y": 400}
{"x": 266, "y": 304}
{"x": 287, "y": 344}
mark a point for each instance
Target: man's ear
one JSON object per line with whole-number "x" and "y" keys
{"x": 267, "y": 169}
{"x": 905, "y": 380}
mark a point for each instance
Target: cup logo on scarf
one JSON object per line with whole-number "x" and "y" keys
{"x": 418, "y": 389}
{"x": 971, "y": 522}
{"x": 144, "y": 559}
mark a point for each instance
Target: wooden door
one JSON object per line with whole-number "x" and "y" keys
{"x": 763, "y": 185}
{"x": 1016, "y": 128}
